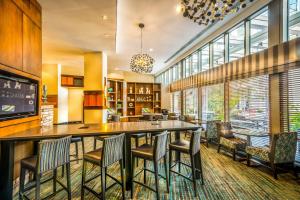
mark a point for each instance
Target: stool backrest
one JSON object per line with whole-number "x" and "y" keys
{"x": 160, "y": 145}
{"x": 53, "y": 153}
{"x": 195, "y": 141}
{"x": 113, "y": 149}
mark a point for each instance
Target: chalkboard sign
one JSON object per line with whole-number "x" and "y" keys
{"x": 18, "y": 96}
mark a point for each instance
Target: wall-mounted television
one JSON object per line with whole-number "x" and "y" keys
{"x": 19, "y": 96}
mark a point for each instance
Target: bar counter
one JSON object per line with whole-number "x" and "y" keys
{"x": 81, "y": 130}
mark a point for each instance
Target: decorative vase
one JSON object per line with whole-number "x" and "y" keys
{"x": 44, "y": 95}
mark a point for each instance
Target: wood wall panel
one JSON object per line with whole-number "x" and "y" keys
{"x": 20, "y": 53}
{"x": 32, "y": 9}
{"x": 10, "y": 34}
{"x": 32, "y": 47}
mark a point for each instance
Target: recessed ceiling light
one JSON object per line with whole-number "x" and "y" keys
{"x": 104, "y": 17}
{"x": 150, "y": 49}
{"x": 179, "y": 8}
{"x": 107, "y": 35}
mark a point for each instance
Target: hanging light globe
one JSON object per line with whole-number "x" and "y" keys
{"x": 142, "y": 62}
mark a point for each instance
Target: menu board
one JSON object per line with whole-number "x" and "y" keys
{"x": 17, "y": 96}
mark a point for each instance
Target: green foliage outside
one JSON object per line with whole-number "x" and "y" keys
{"x": 216, "y": 102}
{"x": 295, "y": 118}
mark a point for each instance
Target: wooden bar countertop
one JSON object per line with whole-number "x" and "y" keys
{"x": 83, "y": 130}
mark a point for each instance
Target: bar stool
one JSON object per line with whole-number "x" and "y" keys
{"x": 191, "y": 148}
{"x": 112, "y": 152}
{"x": 114, "y": 118}
{"x": 153, "y": 153}
{"x": 51, "y": 155}
{"x": 75, "y": 140}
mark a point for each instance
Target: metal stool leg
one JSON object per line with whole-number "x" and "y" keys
{"x": 38, "y": 187}
{"x": 22, "y": 182}
{"x": 54, "y": 180}
{"x": 132, "y": 172}
{"x": 122, "y": 177}
{"x": 145, "y": 172}
{"x": 83, "y": 178}
{"x": 166, "y": 172}
{"x": 194, "y": 174}
{"x": 170, "y": 165}
{"x": 156, "y": 179}
{"x": 103, "y": 177}
{"x": 69, "y": 181}
{"x": 76, "y": 152}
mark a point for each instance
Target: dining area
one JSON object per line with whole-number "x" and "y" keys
{"x": 53, "y": 152}
{"x": 165, "y": 100}
{"x": 170, "y": 153}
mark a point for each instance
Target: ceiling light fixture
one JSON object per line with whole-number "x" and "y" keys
{"x": 104, "y": 17}
{"x": 179, "y": 8}
{"x": 142, "y": 62}
{"x": 150, "y": 49}
{"x": 210, "y": 11}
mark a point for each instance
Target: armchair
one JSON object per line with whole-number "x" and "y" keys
{"x": 211, "y": 131}
{"x": 227, "y": 140}
{"x": 282, "y": 150}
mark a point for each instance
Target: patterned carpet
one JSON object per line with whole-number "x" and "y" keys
{"x": 224, "y": 179}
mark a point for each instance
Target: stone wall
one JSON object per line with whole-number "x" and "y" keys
{"x": 47, "y": 113}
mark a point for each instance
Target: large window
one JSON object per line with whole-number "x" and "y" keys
{"x": 213, "y": 102}
{"x": 218, "y": 51}
{"x": 249, "y": 103}
{"x": 176, "y": 104}
{"x": 187, "y": 67}
{"x": 237, "y": 42}
{"x": 195, "y": 63}
{"x": 259, "y": 32}
{"x": 290, "y": 106}
{"x": 191, "y": 101}
{"x": 204, "y": 55}
{"x": 294, "y": 18}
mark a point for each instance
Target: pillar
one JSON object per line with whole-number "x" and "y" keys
{"x": 277, "y": 35}
{"x": 95, "y": 73}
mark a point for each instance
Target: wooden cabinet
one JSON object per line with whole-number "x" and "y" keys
{"x": 32, "y": 47}
{"x": 10, "y": 34}
{"x": 32, "y": 9}
{"x": 93, "y": 99}
{"x": 71, "y": 81}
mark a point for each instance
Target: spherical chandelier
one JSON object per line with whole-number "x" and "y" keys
{"x": 210, "y": 11}
{"x": 142, "y": 62}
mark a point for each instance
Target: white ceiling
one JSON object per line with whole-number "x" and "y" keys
{"x": 165, "y": 31}
{"x": 72, "y": 27}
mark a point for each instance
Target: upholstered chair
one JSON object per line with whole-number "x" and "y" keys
{"x": 227, "y": 140}
{"x": 282, "y": 150}
{"x": 211, "y": 131}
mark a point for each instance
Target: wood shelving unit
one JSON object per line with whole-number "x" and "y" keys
{"x": 143, "y": 97}
{"x": 115, "y": 96}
